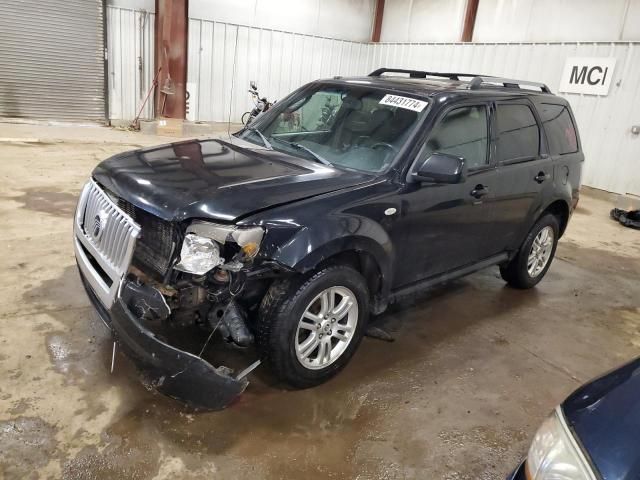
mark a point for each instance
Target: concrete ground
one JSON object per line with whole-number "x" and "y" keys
{"x": 474, "y": 370}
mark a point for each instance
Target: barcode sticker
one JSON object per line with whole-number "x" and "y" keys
{"x": 403, "y": 102}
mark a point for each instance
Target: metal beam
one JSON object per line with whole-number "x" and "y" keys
{"x": 171, "y": 55}
{"x": 377, "y": 22}
{"x": 469, "y": 20}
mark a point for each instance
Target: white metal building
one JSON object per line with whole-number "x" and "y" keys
{"x": 282, "y": 45}
{"x": 527, "y": 40}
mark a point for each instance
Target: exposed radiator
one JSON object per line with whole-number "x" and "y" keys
{"x": 156, "y": 244}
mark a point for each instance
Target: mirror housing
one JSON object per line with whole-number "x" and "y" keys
{"x": 440, "y": 168}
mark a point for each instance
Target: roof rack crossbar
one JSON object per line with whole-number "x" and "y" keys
{"x": 477, "y": 81}
{"x": 418, "y": 73}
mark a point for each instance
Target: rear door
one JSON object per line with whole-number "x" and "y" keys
{"x": 524, "y": 172}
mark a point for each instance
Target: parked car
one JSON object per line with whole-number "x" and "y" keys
{"x": 592, "y": 435}
{"x": 343, "y": 197}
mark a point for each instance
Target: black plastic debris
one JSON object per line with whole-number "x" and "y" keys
{"x": 629, "y": 218}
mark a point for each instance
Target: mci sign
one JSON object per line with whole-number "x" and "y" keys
{"x": 590, "y": 75}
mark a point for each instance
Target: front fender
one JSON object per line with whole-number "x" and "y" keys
{"x": 308, "y": 246}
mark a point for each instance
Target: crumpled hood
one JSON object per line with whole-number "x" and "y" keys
{"x": 216, "y": 179}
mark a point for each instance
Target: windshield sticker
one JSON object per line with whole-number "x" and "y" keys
{"x": 403, "y": 102}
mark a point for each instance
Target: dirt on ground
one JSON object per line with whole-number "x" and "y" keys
{"x": 474, "y": 369}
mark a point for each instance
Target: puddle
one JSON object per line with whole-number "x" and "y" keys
{"x": 26, "y": 443}
{"x": 53, "y": 202}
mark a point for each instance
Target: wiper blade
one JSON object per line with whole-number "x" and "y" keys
{"x": 262, "y": 137}
{"x": 319, "y": 158}
{"x": 299, "y": 146}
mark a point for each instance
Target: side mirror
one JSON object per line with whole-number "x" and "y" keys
{"x": 253, "y": 85}
{"x": 440, "y": 168}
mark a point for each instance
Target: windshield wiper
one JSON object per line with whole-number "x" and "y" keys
{"x": 319, "y": 158}
{"x": 262, "y": 137}
{"x": 299, "y": 146}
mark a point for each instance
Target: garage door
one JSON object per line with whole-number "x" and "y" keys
{"x": 52, "y": 59}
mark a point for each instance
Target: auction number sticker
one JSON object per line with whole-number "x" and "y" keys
{"x": 403, "y": 102}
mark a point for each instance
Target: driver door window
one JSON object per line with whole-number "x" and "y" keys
{"x": 462, "y": 132}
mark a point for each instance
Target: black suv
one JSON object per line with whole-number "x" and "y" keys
{"x": 346, "y": 195}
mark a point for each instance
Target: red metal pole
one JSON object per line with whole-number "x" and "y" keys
{"x": 377, "y": 23}
{"x": 171, "y": 55}
{"x": 469, "y": 20}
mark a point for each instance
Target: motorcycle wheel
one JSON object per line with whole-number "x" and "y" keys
{"x": 246, "y": 118}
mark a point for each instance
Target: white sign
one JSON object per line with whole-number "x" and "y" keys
{"x": 403, "y": 102}
{"x": 590, "y": 75}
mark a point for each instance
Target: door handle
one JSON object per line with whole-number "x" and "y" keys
{"x": 479, "y": 191}
{"x": 541, "y": 177}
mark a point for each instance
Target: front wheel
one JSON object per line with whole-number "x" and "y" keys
{"x": 308, "y": 329}
{"x": 534, "y": 258}
{"x": 246, "y": 118}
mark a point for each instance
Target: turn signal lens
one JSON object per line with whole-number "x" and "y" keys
{"x": 250, "y": 249}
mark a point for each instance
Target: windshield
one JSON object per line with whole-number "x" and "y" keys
{"x": 347, "y": 125}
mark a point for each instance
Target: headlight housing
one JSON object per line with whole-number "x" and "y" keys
{"x": 554, "y": 453}
{"x": 200, "y": 250}
{"x": 198, "y": 255}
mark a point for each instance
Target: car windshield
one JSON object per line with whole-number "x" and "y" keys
{"x": 349, "y": 126}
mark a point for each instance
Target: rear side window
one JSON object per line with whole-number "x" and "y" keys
{"x": 518, "y": 133}
{"x": 561, "y": 132}
{"x": 462, "y": 132}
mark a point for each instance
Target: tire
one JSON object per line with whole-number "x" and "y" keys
{"x": 518, "y": 272}
{"x": 246, "y": 117}
{"x": 280, "y": 335}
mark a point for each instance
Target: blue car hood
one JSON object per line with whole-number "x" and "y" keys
{"x": 605, "y": 416}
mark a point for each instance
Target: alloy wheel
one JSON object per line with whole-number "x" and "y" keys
{"x": 540, "y": 253}
{"x": 326, "y": 327}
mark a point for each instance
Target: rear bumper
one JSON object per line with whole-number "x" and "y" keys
{"x": 176, "y": 373}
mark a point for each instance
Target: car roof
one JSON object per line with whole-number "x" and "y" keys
{"x": 435, "y": 86}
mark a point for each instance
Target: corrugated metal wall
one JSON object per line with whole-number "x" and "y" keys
{"x": 130, "y": 37}
{"x": 612, "y": 151}
{"x": 52, "y": 59}
{"x": 225, "y": 55}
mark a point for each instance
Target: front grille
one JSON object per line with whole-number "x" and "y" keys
{"x": 108, "y": 230}
{"x": 105, "y": 238}
{"x": 155, "y": 247}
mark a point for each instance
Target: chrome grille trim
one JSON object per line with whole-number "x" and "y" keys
{"x": 108, "y": 235}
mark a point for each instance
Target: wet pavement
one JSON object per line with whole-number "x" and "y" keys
{"x": 474, "y": 369}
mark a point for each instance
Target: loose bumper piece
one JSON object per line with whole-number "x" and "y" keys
{"x": 174, "y": 372}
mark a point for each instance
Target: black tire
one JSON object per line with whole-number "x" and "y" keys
{"x": 282, "y": 308}
{"x": 246, "y": 116}
{"x": 515, "y": 273}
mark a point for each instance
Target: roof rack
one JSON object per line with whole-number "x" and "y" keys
{"x": 475, "y": 83}
{"x": 420, "y": 73}
{"x": 478, "y": 80}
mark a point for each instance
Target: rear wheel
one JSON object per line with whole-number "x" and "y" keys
{"x": 308, "y": 329}
{"x": 534, "y": 258}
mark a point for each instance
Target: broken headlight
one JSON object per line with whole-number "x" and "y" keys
{"x": 198, "y": 254}
{"x": 201, "y": 247}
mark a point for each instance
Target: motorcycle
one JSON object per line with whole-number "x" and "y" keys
{"x": 261, "y": 105}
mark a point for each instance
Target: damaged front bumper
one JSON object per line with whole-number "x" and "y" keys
{"x": 176, "y": 373}
{"x": 104, "y": 241}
